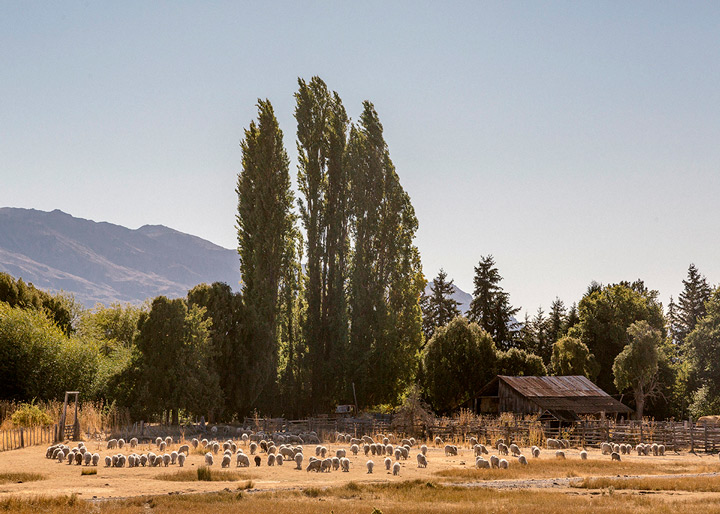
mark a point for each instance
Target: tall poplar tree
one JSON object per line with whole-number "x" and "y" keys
{"x": 265, "y": 225}
{"x": 386, "y": 276}
{"x": 323, "y": 183}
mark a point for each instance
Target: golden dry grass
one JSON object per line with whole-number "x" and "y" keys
{"x": 205, "y": 474}
{"x": 6, "y": 478}
{"x": 708, "y": 484}
{"x": 555, "y": 468}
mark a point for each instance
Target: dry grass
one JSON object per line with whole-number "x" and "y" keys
{"x": 95, "y": 417}
{"x": 706, "y": 484}
{"x": 554, "y": 468}
{"x": 395, "y": 498}
{"x": 15, "y": 478}
{"x": 205, "y": 474}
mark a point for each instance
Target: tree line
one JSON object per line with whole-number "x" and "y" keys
{"x": 333, "y": 308}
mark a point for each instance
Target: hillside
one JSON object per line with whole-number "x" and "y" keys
{"x": 102, "y": 262}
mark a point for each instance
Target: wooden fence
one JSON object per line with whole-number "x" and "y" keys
{"x": 17, "y": 438}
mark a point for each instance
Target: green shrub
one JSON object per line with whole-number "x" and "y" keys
{"x": 30, "y": 415}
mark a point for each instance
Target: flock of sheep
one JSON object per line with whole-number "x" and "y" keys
{"x": 281, "y": 448}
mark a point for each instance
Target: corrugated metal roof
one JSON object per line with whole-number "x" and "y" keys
{"x": 573, "y": 386}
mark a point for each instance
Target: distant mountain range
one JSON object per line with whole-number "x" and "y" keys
{"x": 105, "y": 263}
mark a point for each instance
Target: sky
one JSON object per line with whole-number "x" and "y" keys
{"x": 573, "y": 141}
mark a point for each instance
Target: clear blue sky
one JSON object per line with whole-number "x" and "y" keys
{"x": 575, "y": 141}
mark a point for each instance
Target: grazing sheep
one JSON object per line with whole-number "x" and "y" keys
{"x": 661, "y": 449}
{"x": 421, "y": 460}
{"x": 388, "y": 463}
{"x": 112, "y": 443}
{"x": 341, "y": 453}
{"x": 354, "y": 449}
{"x": 606, "y": 448}
{"x": 565, "y": 443}
{"x": 366, "y": 449}
{"x": 151, "y": 459}
{"x": 168, "y": 440}
{"x": 94, "y": 459}
{"x": 553, "y": 444}
{"x": 173, "y": 457}
{"x": 481, "y": 463}
{"x": 78, "y": 458}
{"x": 522, "y": 460}
{"x": 279, "y": 459}
{"x": 166, "y": 459}
{"x": 423, "y": 449}
{"x": 158, "y": 440}
{"x": 559, "y": 454}
{"x": 121, "y": 443}
{"x": 326, "y": 465}
{"x": 216, "y": 447}
{"x": 639, "y": 449}
{"x": 87, "y": 457}
{"x": 243, "y": 461}
{"x": 225, "y": 461}
{"x": 258, "y": 460}
{"x": 535, "y": 452}
{"x": 503, "y": 464}
{"x": 205, "y": 443}
{"x": 450, "y": 450}
{"x": 271, "y": 459}
{"x": 615, "y": 456}
{"x": 499, "y": 442}
{"x": 583, "y": 455}
{"x": 438, "y": 441}
{"x": 133, "y": 442}
{"x": 108, "y": 461}
{"x": 253, "y": 448}
{"x": 655, "y": 450}
{"x": 208, "y": 459}
{"x": 345, "y": 464}
{"x": 131, "y": 461}
{"x": 494, "y": 461}
{"x": 396, "y": 469}
{"x": 162, "y": 446}
{"x": 298, "y": 460}
{"x": 515, "y": 449}
{"x": 335, "y": 463}
{"x": 245, "y": 438}
{"x": 616, "y": 448}
{"x": 398, "y": 453}
{"x": 473, "y": 441}
{"x": 370, "y": 465}
{"x": 503, "y": 449}
{"x": 184, "y": 448}
{"x": 195, "y": 443}
{"x": 121, "y": 461}
{"x": 389, "y": 449}
{"x": 314, "y": 465}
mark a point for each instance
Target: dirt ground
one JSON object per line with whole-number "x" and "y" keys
{"x": 64, "y": 479}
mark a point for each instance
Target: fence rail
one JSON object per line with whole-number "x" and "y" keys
{"x": 17, "y": 438}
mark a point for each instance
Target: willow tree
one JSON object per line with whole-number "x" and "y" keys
{"x": 386, "y": 275}
{"x": 265, "y": 227}
{"x": 323, "y": 183}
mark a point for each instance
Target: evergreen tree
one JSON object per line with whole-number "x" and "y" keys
{"x": 439, "y": 308}
{"x": 704, "y": 345}
{"x": 323, "y": 183}
{"x": 490, "y": 307}
{"x": 541, "y": 340}
{"x": 265, "y": 226}
{"x": 571, "y": 319}
{"x": 386, "y": 275}
{"x": 691, "y": 305}
{"x": 556, "y": 320}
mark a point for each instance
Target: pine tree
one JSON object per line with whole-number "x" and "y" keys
{"x": 571, "y": 319}
{"x": 439, "y": 308}
{"x": 265, "y": 225}
{"x": 556, "y": 320}
{"x": 490, "y": 307}
{"x": 691, "y": 305}
{"x": 323, "y": 183}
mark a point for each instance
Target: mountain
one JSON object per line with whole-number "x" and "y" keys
{"x": 458, "y": 295}
{"x": 102, "y": 262}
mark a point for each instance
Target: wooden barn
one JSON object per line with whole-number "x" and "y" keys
{"x": 554, "y": 398}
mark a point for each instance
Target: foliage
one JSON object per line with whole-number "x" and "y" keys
{"x": 265, "y": 224}
{"x": 636, "y": 367}
{"x": 439, "y": 308}
{"x": 114, "y": 326}
{"x": 460, "y": 358}
{"x": 30, "y": 415}
{"x": 570, "y": 356}
{"x": 691, "y": 306}
{"x": 490, "y": 307}
{"x": 704, "y": 345}
{"x": 704, "y": 403}
{"x": 515, "y": 362}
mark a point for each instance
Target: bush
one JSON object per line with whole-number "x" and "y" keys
{"x": 30, "y": 415}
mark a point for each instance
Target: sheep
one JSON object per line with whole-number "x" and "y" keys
{"x": 405, "y": 452}
{"x": 583, "y": 455}
{"x": 271, "y": 459}
{"x": 131, "y": 461}
{"x": 108, "y": 461}
{"x": 499, "y": 442}
{"x": 606, "y": 448}
{"x": 225, "y": 461}
{"x": 423, "y": 449}
{"x": 473, "y": 441}
{"x": 168, "y": 440}
{"x": 655, "y": 450}
{"x": 326, "y": 465}
{"x": 158, "y": 461}
{"x": 121, "y": 461}
{"x": 565, "y": 443}
{"x": 208, "y": 459}
{"x": 112, "y": 443}
{"x": 133, "y": 442}
{"x": 615, "y": 456}
{"x": 87, "y": 458}
{"x": 366, "y": 449}
{"x": 522, "y": 460}
{"x": 559, "y": 454}
{"x": 162, "y": 446}
{"x": 243, "y": 461}
{"x": 494, "y": 461}
{"x": 245, "y": 438}
{"x": 503, "y": 464}
{"x": 438, "y": 441}
{"x": 661, "y": 449}
{"x": 298, "y": 460}
{"x": 398, "y": 453}
{"x": 616, "y": 448}
{"x": 335, "y": 463}
{"x": 503, "y": 449}
{"x": 258, "y": 460}
{"x": 481, "y": 463}
{"x": 450, "y": 450}
{"x": 173, "y": 457}
{"x": 639, "y": 449}
{"x": 345, "y": 464}
{"x": 184, "y": 448}
{"x": 195, "y": 443}
{"x": 279, "y": 459}
{"x": 340, "y": 453}
{"x": 142, "y": 460}
{"x": 151, "y": 459}
{"x": 406, "y": 442}
{"x": 388, "y": 463}
{"x": 314, "y": 465}
{"x": 396, "y": 469}
{"x": 166, "y": 459}
{"x": 354, "y": 449}
{"x": 216, "y": 447}
{"x": 553, "y": 444}
{"x": 515, "y": 449}
{"x": 226, "y": 445}
{"x": 263, "y": 446}
{"x": 370, "y": 464}
{"x": 78, "y": 458}
{"x": 535, "y": 452}
{"x": 253, "y": 448}
{"x": 421, "y": 460}
{"x": 388, "y": 449}
{"x": 120, "y": 443}
{"x": 205, "y": 443}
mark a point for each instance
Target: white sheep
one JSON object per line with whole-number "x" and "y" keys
{"x": 326, "y": 465}
{"x": 450, "y": 450}
{"x": 503, "y": 449}
{"x": 298, "y": 460}
{"x": 661, "y": 449}
{"x": 279, "y": 459}
{"x": 253, "y": 448}
{"x": 423, "y": 449}
{"x": 341, "y": 453}
{"x": 559, "y": 454}
{"x": 151, "y": 458}
{"x": 553, "y": 444}
{"x": 195, "y": 443}
{"x": 95, "y": 459}
{"x": 243, "y": 461}
{"x": 335, "y": 463}
{"x": 606, "y": 448}
{"x": 184, "y": 448}
{"x": 615, "y": 456}
{"x": 522, "y": 460}
{"x": 370, "y": 464}
{"x": 208, "y": 459}
{"x": 133, "y": 442}
{"x": 158, "y": 440}
{"x": 494, "y": 461}
{"x": 354, "y": 449}
{"x": 583, "y": 455}
{"x": 396, "y": 469}
{"x": 121, "y": 443}
{"x": 166, "y": 459}
{"x": 481, "y": 463}
{"x": 108, "y": 461}
{"x": 168, "y": 440}
{"x": 503, "y": 464}
{"x": 88, "y": 458}
{"x": 388, "y": 463}
{"x": 271, "y": 459}
{"x": 162, "y": 446}
{"x": 173, "y": 457}
{"x": 225, "y": 461}
{"x": 535, "y": 452}
{"x": 121, "y": 461}
{"x": 314, "y": 465}
{"x": 112, "y": 443}
{"x": 438, "y": 441}
{"x": 421, "y": 460}
{"x": 181, "y": 459}
{"x": 345, "y": 464}
{"x": 515, "y": 449}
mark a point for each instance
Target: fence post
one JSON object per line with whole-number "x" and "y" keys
{"x": 692, "y": 436}
{"x": 706, "y": 437}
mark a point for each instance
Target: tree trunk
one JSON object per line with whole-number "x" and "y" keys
{"x": 639, "y": 402}
{"x": 175, "y": 420}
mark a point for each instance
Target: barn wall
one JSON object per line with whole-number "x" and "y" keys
{"x": 511, "y": 401}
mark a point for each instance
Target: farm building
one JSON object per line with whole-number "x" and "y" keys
{"x": 554, "y": 398}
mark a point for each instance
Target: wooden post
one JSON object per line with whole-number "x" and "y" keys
{"x": 692, "y": 436}
{"x": 706, "y": 437}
